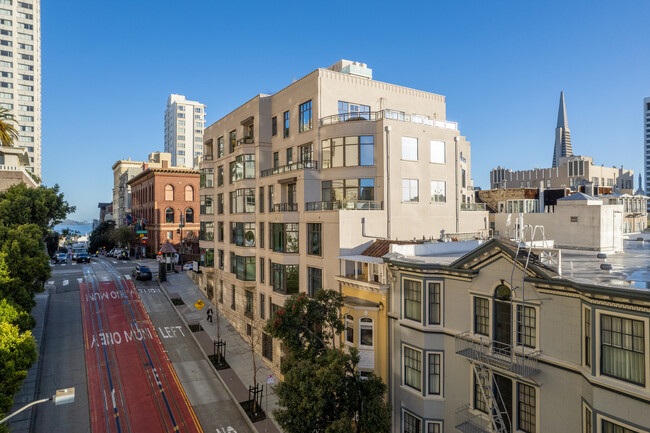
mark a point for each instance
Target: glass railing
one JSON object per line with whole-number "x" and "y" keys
{"x": 343, "y": 205}
{"x": 473, "y": 206}
{"x": 285, "y": 207}
{"x": 387, "y": 114}
{"x": 301, "y": 165}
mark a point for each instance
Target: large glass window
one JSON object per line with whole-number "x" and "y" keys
{"x": 208, "y": 257}
{"x": 169, "y": 193}
{"x": 207, "y": 205}
{"x": 285, "y": 124}
{"x": 410, "y": 190}
{"x": 242, "y": 200}
{"x": 412, "y": 424}
{"x": 409, "y": 148}
{"x": 348, "y": 151}
{"x": 206, "y": 178}
{"x": 526, "y": 326}
{"x": 219, "y": 147}
{"x": 610, "y": 427}
{"x": 526, "y": 408}
{"x": 284, "y": 237}
{"x": 242, "y": 234}
{"x": 243, "y": 167}
{"x": 243, "y": 267}
{"x": 622, "y": 348}
{"x": 314, "y": 280}
{"x": 434, "y": 303}
{"x": 352, "y": 110}
{"x": 413, "y": 300}
{"x": 438, "y": 191}
{"x": 274, "y": 126}
{"x": 438, "y": 152}
{"x": 305, "y": 117}
{"x": 348, "y": 189}
{"x": 206, "y": 231}
{"x": 434, "y": 373}
{"x": 284, "y": 278}
{"x": 413, "y": 368}
{"x": 232, "y": 139}
{"x": 366, "y": 332}
{"x": 481, "y": 316}
{"x": 314, "y": 239}
{"x": 169, "y": 215}
{"x": 220, "y": 176}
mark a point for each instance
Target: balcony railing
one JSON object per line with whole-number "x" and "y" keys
{"x": 473, "y": 206}
{"x": 497, "y": 355}
{"x": 387, "y": 114}
{"x": 301, "y": 165}
{"x": 467, "y": 422}
{"x": 245, "y": 140}
{"x": 344, "y": 205}
{"x": 285, "y": 207}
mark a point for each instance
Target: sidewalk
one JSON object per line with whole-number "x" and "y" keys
{"x": 240, "y": 374}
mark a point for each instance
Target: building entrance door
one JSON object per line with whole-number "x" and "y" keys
{"x": 502, "y": 320}
{"x": 503, "y": 387}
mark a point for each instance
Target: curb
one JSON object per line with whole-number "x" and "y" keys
{"x": 205, "y": 356}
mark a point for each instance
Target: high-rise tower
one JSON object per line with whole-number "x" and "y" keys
{"x": 20, "y": 73}
{"x": 184, "y": 122}
{"x": 562, "y": 135}
{"x": 646, "y": 143}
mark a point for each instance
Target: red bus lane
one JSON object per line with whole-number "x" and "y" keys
{"x": 132, "y": 386}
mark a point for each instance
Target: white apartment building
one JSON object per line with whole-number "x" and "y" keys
{"x": 184, "y": 123}
{"x": 20, "y": 73}
{"x": 291, "y": 181}
{"x": 646, "y": 141}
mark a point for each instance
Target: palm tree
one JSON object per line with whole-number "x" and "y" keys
{"x": 8, "y": 131}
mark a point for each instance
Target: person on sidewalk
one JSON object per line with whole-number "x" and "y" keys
{"x": 210, "y": 312}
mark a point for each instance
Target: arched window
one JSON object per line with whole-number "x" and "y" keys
{"x": 169, "y": 215}
{"x": 189, "y": 193}
{"x": 349, "y": 329}
{"x": 189, "y": 215}
{"x": 169, "y": 193}
{"x": 502, "y": 318}
{"x": 365, "y": 332}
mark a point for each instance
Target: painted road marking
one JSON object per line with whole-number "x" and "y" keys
{"x": 110, "y": 338}
{"x": 115, "y": 261}
{"x": 74, "y": 263}
{"x": 80, "y": 280}
{"x": 226, "y": 430}
{"x": 104, "y": 278}
{"x": 66, "y": 282}
{"x": 117, "y": 294}
{"x": 50, "y": 282}
{"x": 128, "y": 277}
{"x": 63, "y": 264}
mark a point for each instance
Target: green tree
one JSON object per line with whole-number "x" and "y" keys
{"x": 8, "y": 133}
{"x": 51, "y": 242}
{"x": 322, "y": 391}
{"x": 123, "y": 236}
{"x": 102, "y": 236}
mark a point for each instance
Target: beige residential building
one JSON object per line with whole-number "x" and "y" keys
{"x": 14, "y": 168}
{"x": 291, "y": 181}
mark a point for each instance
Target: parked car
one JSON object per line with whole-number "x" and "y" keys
{"x": 141, "y": 272}
{"x": 123, "y": 255}
{"x": 83, "y": 258}
{"x": 59, "y": 258}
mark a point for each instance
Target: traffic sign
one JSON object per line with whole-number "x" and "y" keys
{"x": 141, "y": 232}
{"x": 199, "y": 304}
{"x": 270, "y": 379}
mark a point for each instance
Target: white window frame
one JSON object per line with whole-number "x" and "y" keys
{"x": 515, "y": 333}
{"x": 442, "y": 302}
{"x": 349, "y": 321}
{"x": 438, "y": 423}
{"x": 435, "y": 150}
{"x": 441, "y": 375}
{"x": 601, "y": 417}
{"x": 405, "y": 386}
{"x": 582, "y": 339}
{"x": 372, "y": 330}
{"x": 409, "y": 147}
{"x": 404, "y": 411}
{"x": 410, "y": 186}
{"x": 586, "y": 407}
{"x": 444, "y": 187}
{"x": 403, "y": 300}
{"x": 596, "y": 339}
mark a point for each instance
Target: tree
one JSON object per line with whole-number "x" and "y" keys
{"x": 102, "y": 236}
{"x": 8, "y": 133}
{"x": 123, "y": 236}
{"x": 322, "y": 391}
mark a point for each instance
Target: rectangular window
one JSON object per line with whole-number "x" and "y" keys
{"x": 366, "y": 330}
{"x": 314, "y": 247}
{"x": 170, "y": 235}
{"x": 479, "y": 399}
{"x": 305, "y": 117}
{"x": 413, "y": 368}
{"x": 438, "y": 152}
{"x": 284, "y": 237}
{"x": 434, "y": 427}
{"x": 348, "y": 151}
{"x": 262, "y": 304}
{"x": 262, "y": 236}
{"x": 206, "y": 230}
{"x": 243, "y": 267}
{"x": 260, "y": 197}
{"x": 276, "y": 160}
{"x": 413, "y": 300}
{"x": 349, "y": 329}
{"x": 219, "y": 147}
{"x": 622, "y": 348}
{"x": 221, "y": 260}
{"x": 233, "y": 305}
{"x": 243, "y": 167}
{"x": 221, "y": 291}
{"x": 526, "y": 326}
{"x": 242, "y": 201}
{"x": 434, "y": 373}
{"x": 232, "y": 141}
{"x": 284, "y": 278}
{"x": 314, "y": 280}
{"x": 248, "y": 312}
{"x": 434, "y": 303}
{"x": 588, "y": 421}
{"x": 409, "y": 148}
{"x": 481, "y": 316}
{"x": 285, "y": 125}
{"x": 526, "y": 408}
{"x": 274, "y": 126}
{"x": 289, "y": 155}
{"x": 587, "y": 333}
{"x": 412, "y": 424}
{"x": 438, "y": 191}
{"x": 220, "y": 175}
{"x": 267, "y": 346}
{"x": 262, "y": 270}
{"x": 220, "y": 204}
{"x": 410, "y": 190}
{"x": 610, "y": 427}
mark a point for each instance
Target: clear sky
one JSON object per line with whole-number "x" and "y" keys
{"x": 108, "y": 68}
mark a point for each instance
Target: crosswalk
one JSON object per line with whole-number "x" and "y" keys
{"x": 80, "y": 280}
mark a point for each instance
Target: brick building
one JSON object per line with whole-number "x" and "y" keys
{"x": 165, "y": 197}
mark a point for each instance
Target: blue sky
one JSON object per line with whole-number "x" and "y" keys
{"x": 108, "y": 68}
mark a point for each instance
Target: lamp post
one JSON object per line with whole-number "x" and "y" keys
{"x": 62, "y": 396}
{"x": 180, "y": 230}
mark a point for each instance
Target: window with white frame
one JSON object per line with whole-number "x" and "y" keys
{"x": 349, "y": 329}
{"x": 413, "y": 300}
{"x": 412, "y": 368}
{"x": 365, "y": 332}
{"x": 434, "y": 427}
{"x": 409, "y": 148}
{"x": 622, "y": 351}
{"x": 410, "y": 190}
{"x": 438, "y": 152}
{"x": 481, "y": 316}
{"x": 610, "y": 427}
{"x": 526, "y": 408}
{"x": 479, "y": 402}
{"x": 412, "y": 424}
{"x": 587, "y": 336}
{"x": 434, "y": 370}
{"x": 526, "y": 326}
{"x": 434, "y": 303}
{"x": 438, "y": 191}
{"x": 587, "y": 421}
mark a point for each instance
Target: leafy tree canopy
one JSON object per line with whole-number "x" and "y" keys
{"x": 17, "y": 354}
{"x": 102, "y": 236}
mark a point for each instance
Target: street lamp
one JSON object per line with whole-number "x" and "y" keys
{"x": 62, "y": 396}
{"x": 181, "y": 224}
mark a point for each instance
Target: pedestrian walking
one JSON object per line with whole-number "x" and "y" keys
{"x": 210, "y": 312}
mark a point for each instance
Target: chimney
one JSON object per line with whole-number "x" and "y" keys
{"x": 165, "y": 164}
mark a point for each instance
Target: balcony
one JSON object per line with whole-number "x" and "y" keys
{"x": 343, "y": 205}
{"x": 285, "y": 207}
{"x": 467, "y": 422}
{"x": 473, "y": 207}
{"x": 496, "y": 355}
{"x": 389, "y": 115}
{"x": 302, "y": 165}
{"x": 245, "y": 140}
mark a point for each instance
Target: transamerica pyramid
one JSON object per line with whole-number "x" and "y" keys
{"x": 562, "y": 135}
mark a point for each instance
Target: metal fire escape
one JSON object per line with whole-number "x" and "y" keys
{"x": 486, "y": 355}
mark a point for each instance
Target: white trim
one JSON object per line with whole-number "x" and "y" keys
{"x": 601, "y": 417}
{"x": 582, "y": 337}
{"x": 404, "y": 419}
{"x": 516, "y": 344}
{"x": 441, "y": 376}
{"x": 442, "y": 302}
{"x": 583, "y": 416}
{"x": 428, "y": 423}
{"x": 403, "y": 383}
{"x": 372, "y": 329}
{"x": 403, "y": 300}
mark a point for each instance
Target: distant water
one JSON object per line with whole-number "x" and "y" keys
{"x": 82, "y": 229}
